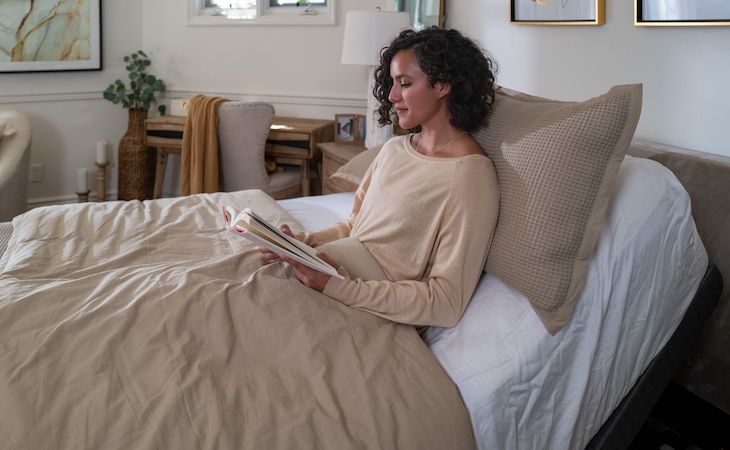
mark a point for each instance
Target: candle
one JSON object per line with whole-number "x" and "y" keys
{"x": 101, "y": 152}
{"x": 82, "y": 180}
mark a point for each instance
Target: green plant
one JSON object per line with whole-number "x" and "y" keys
{"x": 142, "y": 85}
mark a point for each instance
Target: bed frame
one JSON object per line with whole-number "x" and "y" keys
{"x": 627, "y": 419}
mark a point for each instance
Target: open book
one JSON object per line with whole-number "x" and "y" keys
{"x": 254, "y": 228}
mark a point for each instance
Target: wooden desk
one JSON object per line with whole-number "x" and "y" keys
{"x": 294, "y": 143}
{"x": 297, "y": 144}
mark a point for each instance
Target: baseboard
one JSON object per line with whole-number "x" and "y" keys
{"x": 65, "y": 199}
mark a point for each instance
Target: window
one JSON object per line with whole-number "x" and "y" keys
{"x": 261, "y": 12}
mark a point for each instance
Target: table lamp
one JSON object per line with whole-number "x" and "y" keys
{"x": 366, "y": 33}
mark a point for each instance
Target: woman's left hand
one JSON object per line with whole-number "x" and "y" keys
{"x": 310, "y": 277}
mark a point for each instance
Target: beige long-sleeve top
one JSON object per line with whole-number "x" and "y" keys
{"x": 428, "y": 222}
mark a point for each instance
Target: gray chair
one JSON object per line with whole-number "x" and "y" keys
{"x": 242, "y": 131}
{"x": 14, "y": 164}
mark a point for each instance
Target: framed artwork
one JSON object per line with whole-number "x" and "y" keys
{"x": 682, "y": 13}
{"x": 557, "y": 12}
{"x": 350, "y": 128}
{"x": 50, "y": 35}
{"x": 424, "y": 14}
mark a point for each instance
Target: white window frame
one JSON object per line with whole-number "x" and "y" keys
{"x": 265, "y": 15}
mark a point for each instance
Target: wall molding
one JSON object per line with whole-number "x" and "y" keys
{"x": 307, "y": 99}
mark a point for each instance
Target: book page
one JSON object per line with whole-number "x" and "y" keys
{"x": 258, "y": 230}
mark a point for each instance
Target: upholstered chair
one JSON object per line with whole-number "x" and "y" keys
{"x": 14, "y": 163}
{"x": 242, "y": 131}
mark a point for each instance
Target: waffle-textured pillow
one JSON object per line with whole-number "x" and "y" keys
{"x": 556, "y": 164}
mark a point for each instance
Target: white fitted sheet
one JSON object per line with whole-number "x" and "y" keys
{"x": 525, "y": 389}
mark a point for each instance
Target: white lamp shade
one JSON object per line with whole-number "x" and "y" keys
{"x": 367, "y": 32}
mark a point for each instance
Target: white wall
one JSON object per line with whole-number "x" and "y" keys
{"x": 685, "y": 70}
{"x": 294, "y": 65}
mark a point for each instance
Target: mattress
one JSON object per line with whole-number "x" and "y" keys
{"x": 526, "y": 389}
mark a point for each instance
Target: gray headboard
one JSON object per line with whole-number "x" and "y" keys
{"x": 706, "y": 177}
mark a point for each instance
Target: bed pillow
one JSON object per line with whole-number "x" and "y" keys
{"x": 556, "y": 164}
{"x": 354, "y": 170}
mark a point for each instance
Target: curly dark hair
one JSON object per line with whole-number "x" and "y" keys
{"x": 444, "y": 56}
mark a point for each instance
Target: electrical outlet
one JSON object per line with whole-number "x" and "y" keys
{"x": 36, "y": 173}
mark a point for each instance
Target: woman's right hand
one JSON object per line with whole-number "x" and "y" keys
{"x": 271, "y": 257}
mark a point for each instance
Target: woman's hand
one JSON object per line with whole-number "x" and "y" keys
{"x": 310, "y": 277}
{"x": 271, "y": 257}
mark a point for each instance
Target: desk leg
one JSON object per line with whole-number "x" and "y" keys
{"x": 305, "y": 178}
{"x": 160, "y": 172}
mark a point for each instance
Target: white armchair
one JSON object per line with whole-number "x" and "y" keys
{"x": 14, "y": 163}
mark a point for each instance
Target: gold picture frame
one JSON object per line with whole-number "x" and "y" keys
{"x": 652, "y": 13}
{"x": 558, "y": 12}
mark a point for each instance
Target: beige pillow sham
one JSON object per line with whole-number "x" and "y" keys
{"x": 556, "y": 164}
{"x": 354, "y": 170}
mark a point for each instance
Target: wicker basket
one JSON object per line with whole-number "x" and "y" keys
{"x": 136, "y": 162}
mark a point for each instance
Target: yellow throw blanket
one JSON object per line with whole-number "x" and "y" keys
{"x": 199, "y": 158}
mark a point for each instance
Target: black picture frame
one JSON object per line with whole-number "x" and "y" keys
{"x": 87, "y": 43}
{"x": 653, "y": 13}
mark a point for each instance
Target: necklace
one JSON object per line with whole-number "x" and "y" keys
{"x": 439, "y": 149}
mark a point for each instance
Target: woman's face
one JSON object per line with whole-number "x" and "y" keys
{"x": 414, "y": 99}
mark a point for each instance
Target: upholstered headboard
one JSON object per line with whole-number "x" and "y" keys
{"x": 706, "y": 177}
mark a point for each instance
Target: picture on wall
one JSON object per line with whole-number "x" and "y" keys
{"x": 557, "y": 12}
{"x": 682, "y": 13}
{"x": 50, "y": 35}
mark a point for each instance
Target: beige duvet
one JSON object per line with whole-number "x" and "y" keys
{"x": 128, "y": 325}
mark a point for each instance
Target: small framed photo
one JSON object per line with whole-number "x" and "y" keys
{"x": 350, "y": 128}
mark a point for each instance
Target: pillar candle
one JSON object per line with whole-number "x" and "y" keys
{"x": 82, "y": 180}
{"x": 101, "y": 152}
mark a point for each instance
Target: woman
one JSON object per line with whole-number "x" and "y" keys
{"x": 427, "y": 206}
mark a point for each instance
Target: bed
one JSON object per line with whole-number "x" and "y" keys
{"x": 521, "y": 387}
{"x": 149, "y": 325}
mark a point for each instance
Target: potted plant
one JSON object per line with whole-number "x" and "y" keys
{"x": 136, "y": 164}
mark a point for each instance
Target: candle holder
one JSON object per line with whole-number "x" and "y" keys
{"x": 101, "y": 181}
{"x": 83, "y": 196}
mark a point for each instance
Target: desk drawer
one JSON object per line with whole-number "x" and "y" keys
{"x": 289, "y": 149}
{"x": 278, "y": 135}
